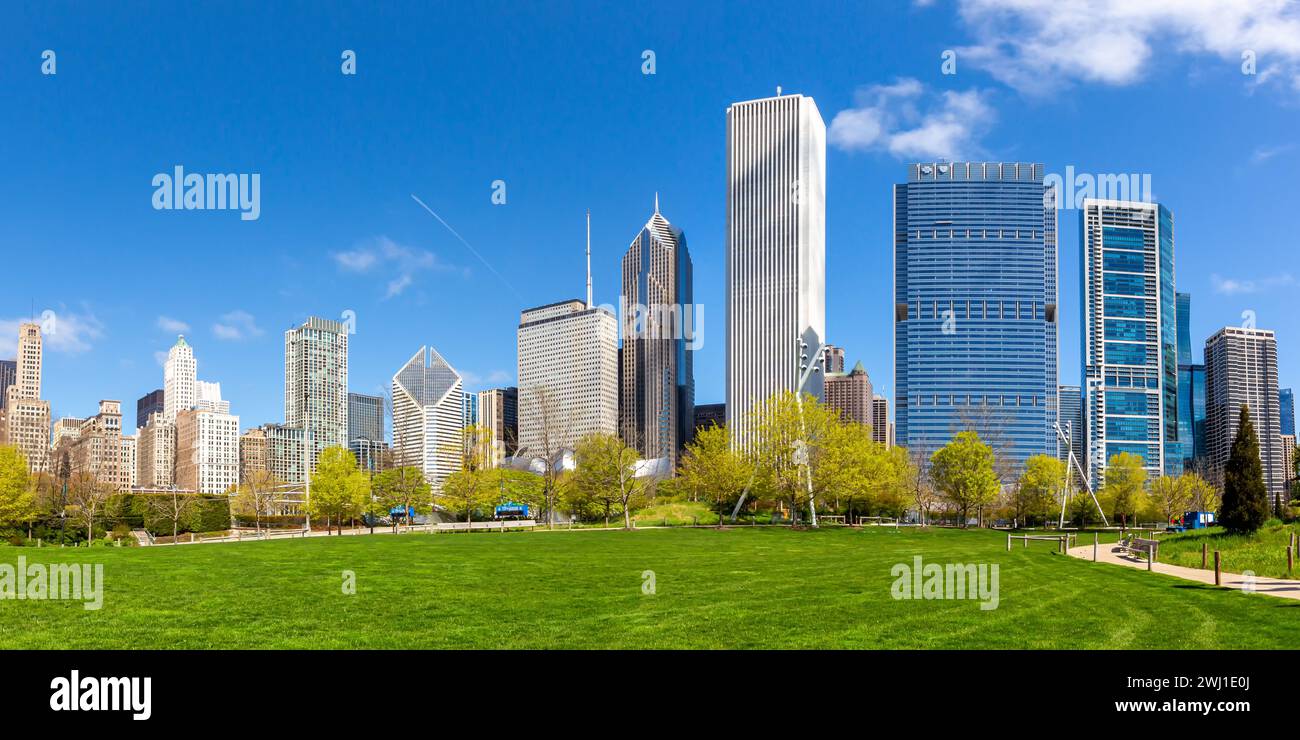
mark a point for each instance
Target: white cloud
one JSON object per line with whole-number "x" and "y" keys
{"x": 1239, "y": 286}
{"x": 1038, "y": 46}
{"x": 1265, "y": 153}
{"x": 236, "y": 325}
{"x": 895, "y": 118}
{"x": 398, "y": 263}
{"x": 61, "y": 331}
{"x": 173, "y": 326}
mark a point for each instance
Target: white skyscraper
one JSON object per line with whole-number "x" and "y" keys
{"x": 428, "y": 408}
{"x": 179, "y": 384}
{"x": 316, "y": 384}
{"x": 27, "y": 415}
{"x": 207, "y": 451}
{"x": 568, "y": 376}
{"x": 1241, "y": 370}
{"x": 776, "y": 248}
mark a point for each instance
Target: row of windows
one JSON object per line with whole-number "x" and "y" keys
{"x": 1029, "y": 234}
{"x": 976, "y": 400}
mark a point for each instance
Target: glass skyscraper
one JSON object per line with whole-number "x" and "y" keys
{"x": 1130, "y": 352}
{"x": 1286, "y": 400}
{"x": 975, "y": 333}
{"x": 1191, "y": 389}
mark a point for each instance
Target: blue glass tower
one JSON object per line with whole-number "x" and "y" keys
{"x": 975, "y": 308}
{"x": 1286, "y": 402}
{"x": 1191, "y": 389}
{"x": 1130, "y": 347}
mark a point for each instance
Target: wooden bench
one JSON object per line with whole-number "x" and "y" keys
{"x": 1139, "y": 546}
{"x": 497, "y": 526}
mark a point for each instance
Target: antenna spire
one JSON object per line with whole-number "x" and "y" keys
{"x": 589, "y": 258}
{"x": 656, "y": 201}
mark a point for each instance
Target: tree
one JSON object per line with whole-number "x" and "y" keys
{"x": 256, "y": 495}
{"x": 338, "y": 489}
{"x": 469, "y": 487}
{"x": 711, "y": 470}
{"x": 402, "y": 489}
{"x": 854, "y": 465}
{"x": 790, "y": 435}
{"x": 554, "y": 427}
{"x": 1245, "y": 497}
{"x": 1172, "y": 495}
{"x": 175, "y": 507}
{"x": 1038, "y": 488}
{"x": 915, "y": 480}
{"x": 963, "y": 472}
{"x": 17, "y": 501}
{"x": 87, "y": 498}
{"x": 1123, "y": 489}
{"x": 606, "y": 475}
{"x": 1204, "y": 496}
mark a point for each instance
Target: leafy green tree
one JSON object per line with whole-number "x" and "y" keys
{"x": 1245, "y": 497}
{"x": 963, "y": 472}
{"x": 1038, "y": 488}
{"x": 256, "y": 496}
{"x": 1172, "y": 495}
{"x": 403, "y": 489}
{"x": 179, "y": 509}
{"x": 17, "y": 501}
{"x": 87, "y": 498}
{"x": 338, "y": 489}
{"x": 855, "y": 469}
{"x": 1123, "y": 490}
{"x": 714, "y": 472}
{"x": 469, "y": 488}
{"x": 606, "y": 475}
{"x": 1204, "y": 496}
{"x": 789, "y": 438}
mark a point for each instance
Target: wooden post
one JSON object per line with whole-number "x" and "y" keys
{"x": 1290, "y": 559}
{"x": 1149, "y": 559}
{"x": 1205, "y": 552}
{"x": 1008, "y": 542}
{"x": 1218, "y": 571}
{"x": 1095, "y": 539}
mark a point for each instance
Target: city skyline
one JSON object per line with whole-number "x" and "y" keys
{"x": 348, "y": 246}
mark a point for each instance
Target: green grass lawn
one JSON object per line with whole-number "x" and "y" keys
{"x": 1263, "y": 552}
{"x": 738, "y": 588}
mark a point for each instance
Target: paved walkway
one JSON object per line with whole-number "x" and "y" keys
{"x": 1285, "y": 588}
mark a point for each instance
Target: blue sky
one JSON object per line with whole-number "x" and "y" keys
{"x": 551, "y": 99}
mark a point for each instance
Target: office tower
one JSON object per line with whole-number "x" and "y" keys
{"x": 180, "y": 391}
{"x": 8, "y": 374}
{"x": 1288, "y": 458}
{"x": 1191, "y": 389}
{"x": 207, "y": 451}
{"x": 776, "y": 251}
{"x": 568, "y": 376}
{"x": 710, "y": 414}
{"x": 850, "y": 394}
{"x": 1241, "y": 370}
{"x": 656, "y": 364}
{"x": 1130, "y": 348}
{"x": 207, "y": 396}
{"x": 1286, "y": 410}
{"x": 316, "y": 384}
{"x": 1070, "y": 415}
{"x": 975, "y": 315}
{"x": 65, "y": 430}
{"x": 127, "y": 468}
{"x": 428, "y": 416}
{"x": 469, "y": 409}
{"x": 498, "y": 414}
{"x": 834, "y": 359}
{"x": 882, "y": 429}
{"x": 27, "y": 416}
{"x": 94, "y": 446}
{"x": 254, "y": 455}
{"x": 365, "y": 417}
{"x": 155, "y": 454}
{"x": 147, "y": 405}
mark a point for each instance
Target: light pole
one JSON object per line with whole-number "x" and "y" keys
{"x": 806, "y": 370}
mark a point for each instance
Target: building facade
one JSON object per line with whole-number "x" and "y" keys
{"x": 498, "y": 415}
{"x": 1191, "y": 389}
{"x": 975, "y": 308}
{"x": 365, "y": 417}
{"x": 710, "y": 414}
{"x": 568, "y": 375}
{"x": 180, "y": 384}
{"x": 1288, "y": 458}
{"x": 95, "y": 449}
{"x": 1241, "y": 370}
{"x": 850, "y": 394}
{"x": 776, "y": 251}
{"x": 656, "y": 364}
{"x": 316, "y": 384}
{"x": 149, "y": 404}
{"x": 834, "y": 359}
{"x": 8, "y": 376}
{"x": 128, "y": 468}
{"x": 27, "y": 415}
{"x": 1286, "y": 409}
{"x": 882, "y": 429}
{"x": 1070, "y": 416}
{"x": 428, "y": 416}
{"x": 207, "y": 451}
{"x": 155, "y": 455}
{"x": 1130, "y": 348}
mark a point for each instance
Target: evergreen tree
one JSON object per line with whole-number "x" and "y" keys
{"x": 1245, "y": 498}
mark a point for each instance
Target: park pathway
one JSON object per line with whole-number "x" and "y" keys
{"x": 1285, "y": 588}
